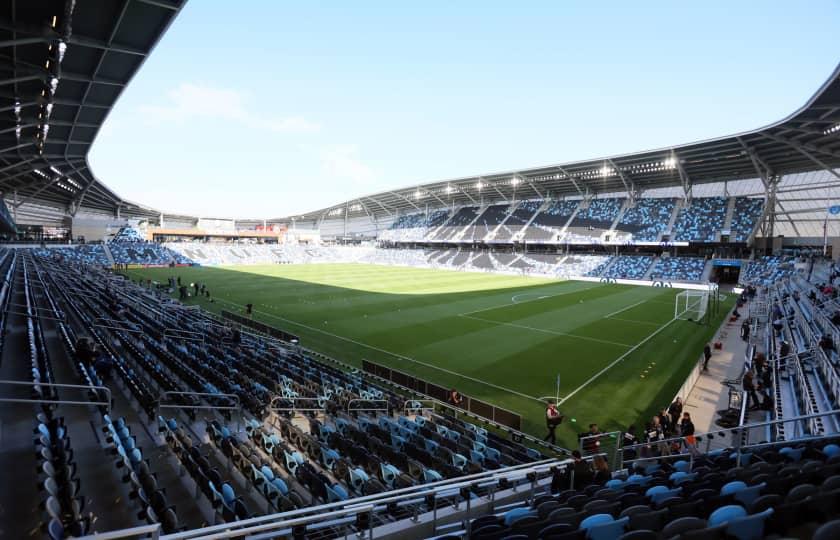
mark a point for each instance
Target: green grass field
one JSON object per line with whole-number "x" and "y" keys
{"x": 499, "y": 338}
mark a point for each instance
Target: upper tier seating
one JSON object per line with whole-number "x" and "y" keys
{"x": 517, "y": 219}
{"x": 678, "y": 269}
{"x": 413, "y": 227}
{"x": 548, "y": 223}
{"x": 592, "y": 221}
{"x": 629, "y": 267}
{"x": 647, "y": 220}
{"x": 487, "y": 222}
{"x": 146, "y": 253}
{"x": 701, "y": 220}
{"x": 463, "y": 217}
{"x": 745, "y": 218}
{"x": 81, "y": 254}
{"x": 767, "y": 270}
{"x": 128, "y": 234}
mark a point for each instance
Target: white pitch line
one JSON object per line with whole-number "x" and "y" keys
{"x": 395, "y": 355}
{"x": 545, "y": 331}
{"x": 525, "y": 301}
{"x": 616, "y": 361}
{"x": 635, "y": 321}
{"x": 624, "y": 309}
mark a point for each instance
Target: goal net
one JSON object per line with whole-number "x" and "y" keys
{"x": 691, "y": 305}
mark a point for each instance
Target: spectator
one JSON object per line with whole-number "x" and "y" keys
{"x": 749, "y": 387}
{"x": 249, "y": 310}
{"x": 687, "y": 426}
{"x": 630, "y": 440}
{"x": 665, "y": 420}
{"x": 601, "y": 470}
{"x": 581, "y": 470}
{"x": 759, "y": 362}
{"x": 591, "y": 440}
{"x": 707, "y": 354}
{"x": 675, "y": 410}
{"x": 455, "y": 398}
{"x": 745, "y": 330}
{"x": 553, "y": 418}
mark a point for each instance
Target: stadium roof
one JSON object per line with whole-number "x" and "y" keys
{"x": 807, "y": 140}
{"x": 63, "y": 64}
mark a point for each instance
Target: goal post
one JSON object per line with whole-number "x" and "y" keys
{"x": 691, "y": 305}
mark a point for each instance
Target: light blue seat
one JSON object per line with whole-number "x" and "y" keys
{"x": 431, "y": 475}
{"x": 493, "y": 454}
{"x": 280, "y": 486}
{"x": 725, "y": 514}
{"x": 336, "y": 493}
{"x": 358, "y": 479}
{"x": 389, "y": 473}
{"x": 459, "y": 461}
{"x": 639, "y": 479}
{"x": 431, "y": 446}
{"x": 477, "y": 457}
{"x": 749, "y": 527}
{"x": 329, "y": 457}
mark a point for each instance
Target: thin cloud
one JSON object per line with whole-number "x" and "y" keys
{"x": 192, "y": 101}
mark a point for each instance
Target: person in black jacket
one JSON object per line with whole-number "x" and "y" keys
{"x": 707, "y": 354}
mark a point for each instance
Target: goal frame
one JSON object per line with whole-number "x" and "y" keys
{"x": 691, "y": 305}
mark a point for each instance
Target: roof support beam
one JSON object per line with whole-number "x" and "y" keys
{"x": 761, "y": 168}
{"x": 800, "y": 145}
{"x": 628, "y": 184}
{"x": 467, "y": 195}
{"x": 389, "y": 212}
{"x": 801, "y": 148}
{"x": 684, "y": 178}
{"x": 572, "y": 180}
{"x": 406, "y": 199}
{"x": 530, "y": 183}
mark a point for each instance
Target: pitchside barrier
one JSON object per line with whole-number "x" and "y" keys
{"x": 472, "y": 405}
{"x": 259, "y": 327}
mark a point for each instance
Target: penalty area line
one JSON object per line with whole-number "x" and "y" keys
{"x": 515, "y": 303}
{"x": 395, "y": 355}
{"x": 545, "y": 331}
{"x": 624, "y": 309}
{"x": 616, "y": 361}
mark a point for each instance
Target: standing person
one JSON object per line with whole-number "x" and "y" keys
{"x": 749, "y": 387}
{"x": 553, "y": 418}
{"x": 581, "y": 470}
{"x": 687, "y": 432}
{"x": 249, "y": 310}
{"x": 707, "y": 354}
{"x": 455, "y": 398}
{"x": 628, "y": 441}
{"x": 675, "y": 410}
{"x": 602, "y": 470}
{"x": 745, "y": 330}
{"x": 591, "y": 439}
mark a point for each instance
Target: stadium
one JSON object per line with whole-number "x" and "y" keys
{"x": 389, "y": 366}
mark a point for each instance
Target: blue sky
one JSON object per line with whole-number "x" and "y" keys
{"x": 272, "y": 108}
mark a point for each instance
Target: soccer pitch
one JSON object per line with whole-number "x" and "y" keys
{"x": 503, "y": 339}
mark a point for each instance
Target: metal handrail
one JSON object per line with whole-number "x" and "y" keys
{"x": 272, "y": 408}
{"x": 357, "y": 505}
{"x": 33, "y": 384}
{"x": 737, "y": 429}
{"x": 153, "y": 530}
{"x": 368, "y": 409}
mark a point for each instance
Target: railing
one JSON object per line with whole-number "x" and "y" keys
{"x": 233, "y": 397}
{"x": 728, "y": 434}
{"x": 33, "y": 384}
{"x": 294, "y": 408}
{"x": 371, "y": 408}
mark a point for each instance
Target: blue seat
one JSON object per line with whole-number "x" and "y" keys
{"x": 389, "y": 473}
{"x": 358, "y": 478}
{"x": 597, "y": 519}
{"x": 329, "y": 457}
{"x": 638, "y": 479}
{"x": 280, "y": 485}
{"x": 492, "y": 453}
{"x": 336, "y": 493}
{"x": 615, "y": 483}
{"x": 682, "y": 466}
{"x": 514, "y": 515}
{"x": 431, "y": 475}
{"x": 459, "y": 461}
{"x": 831, "y": 450}
{"x": 749, "y": 527}
{"x": 749, "y": 494}
{"x": 680, "y": 477}
{"x": 658, "y": 494}
{"x": 608, "y": 530}
{"x": 725, "y": 514}
{"x": 732, "y": 487}
{"x": 793, "y": 454}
